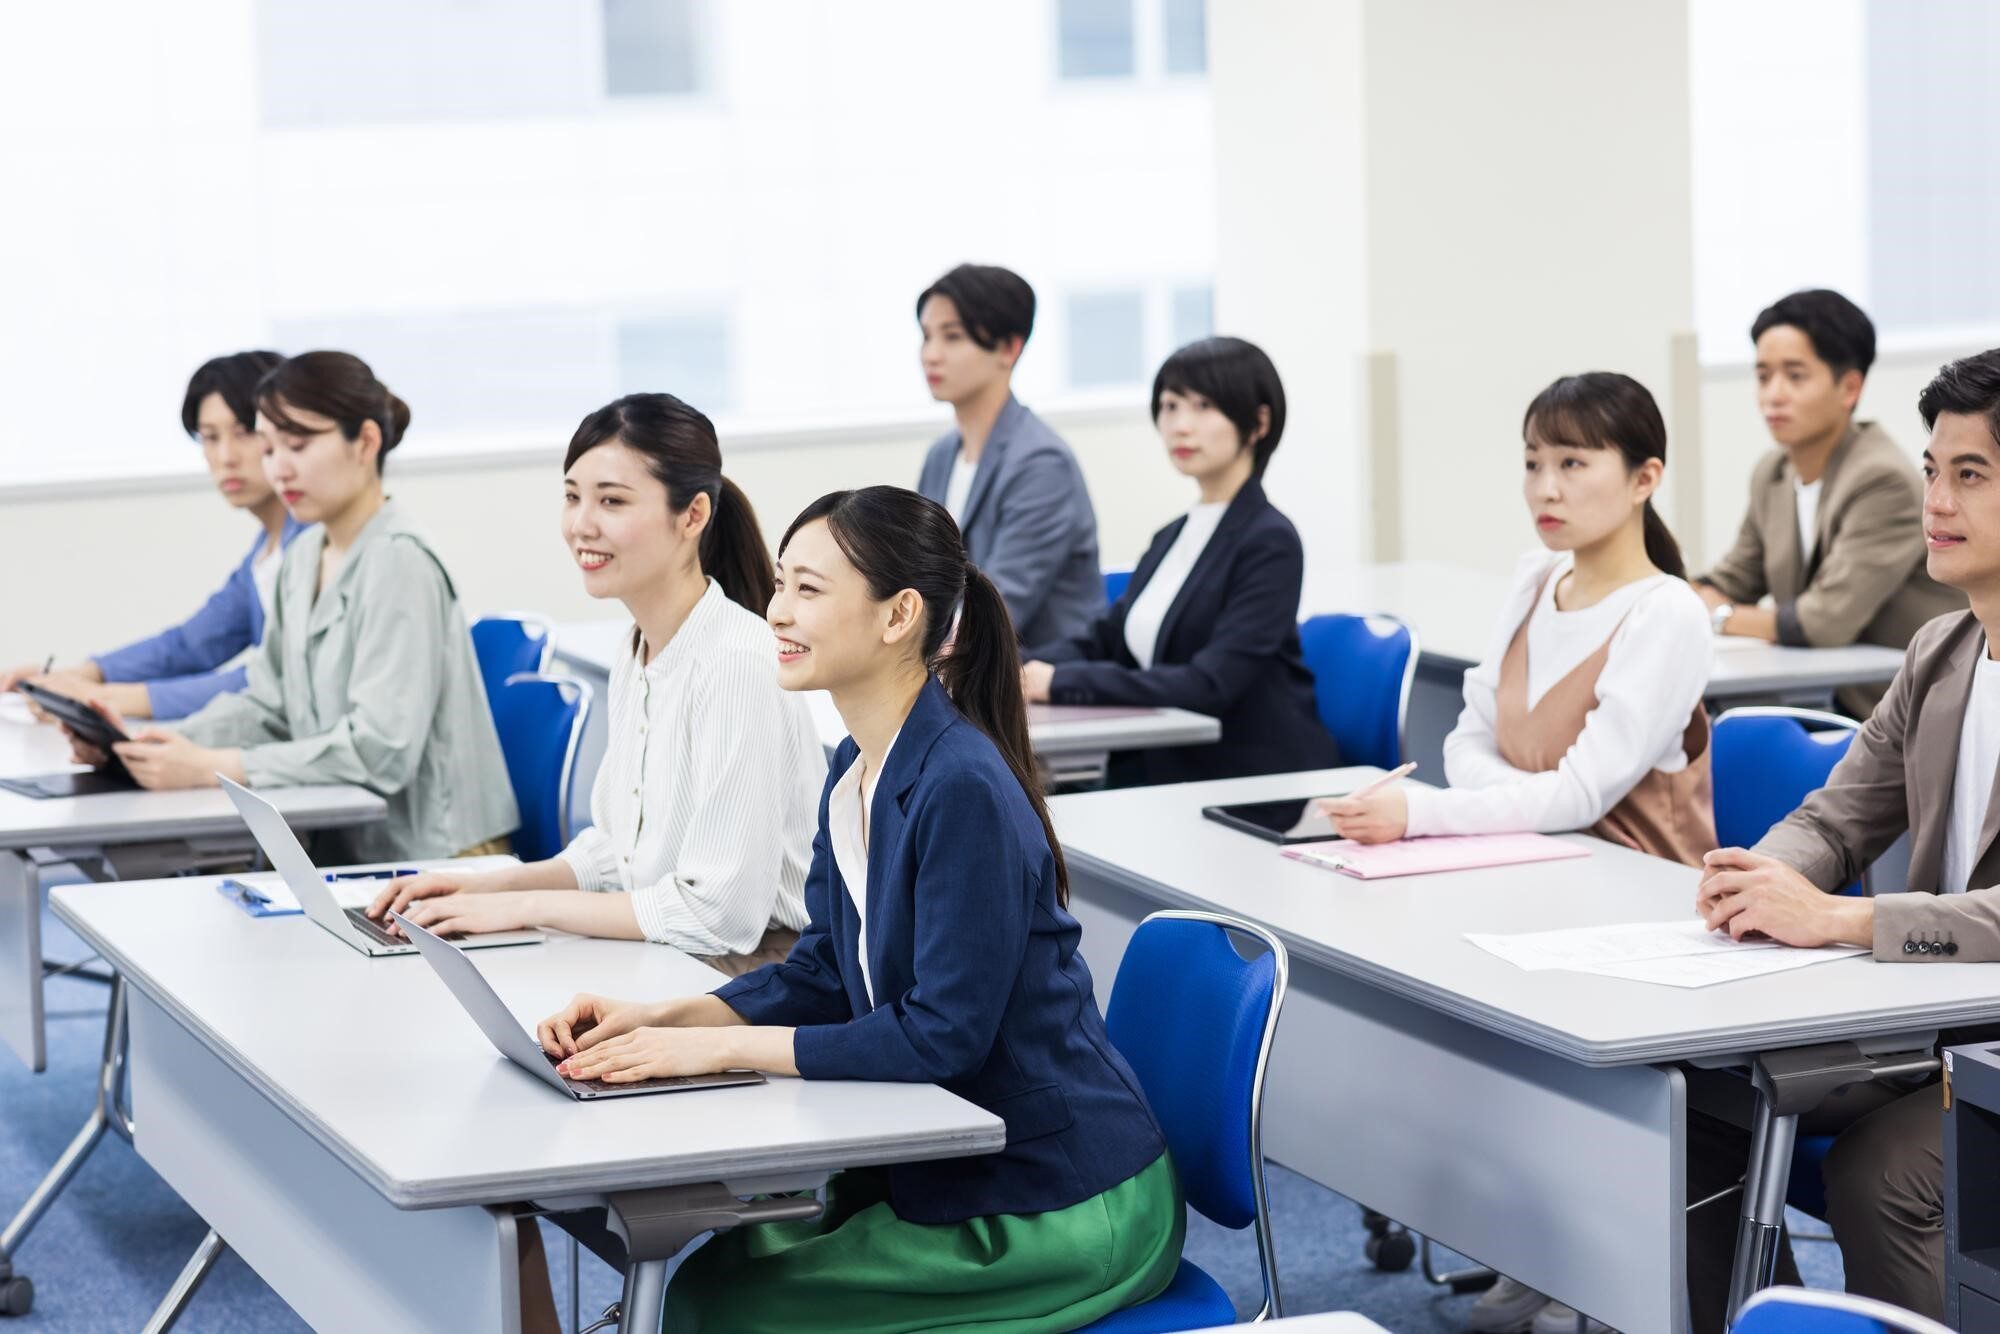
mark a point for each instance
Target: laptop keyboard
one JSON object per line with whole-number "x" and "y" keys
{"x": 599, "y": 1086}
{"x": 374, "y": 930}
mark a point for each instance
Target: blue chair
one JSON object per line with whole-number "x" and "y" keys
{"x": 1114, "y": 585}
{"x": 1767, "y": 761}
{"x": 1195, "y": 1020}
{"x": 1814, "y": 1311}
{"x": 510, "y": 644}
{"x": 540, "y": 720}
{"x": 1362, "y": 667}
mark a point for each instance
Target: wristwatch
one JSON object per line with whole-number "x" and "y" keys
{"x": 1719, "y": 617}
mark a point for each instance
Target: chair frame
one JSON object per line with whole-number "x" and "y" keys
{"x": 1895, "y": 1317}
{"x": 1267, "y": 1254}
{"x": 571, "y": 688}
{"x": 538, "y": 622}
{"x": 1816, "y": 720}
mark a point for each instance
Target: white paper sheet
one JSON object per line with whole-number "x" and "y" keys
{"x": 1681, "y": 953}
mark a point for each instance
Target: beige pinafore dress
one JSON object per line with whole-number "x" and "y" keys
{"x": 1666, "y": 815}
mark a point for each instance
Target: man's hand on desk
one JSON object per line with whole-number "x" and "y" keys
{"x": 1743, "y": 892}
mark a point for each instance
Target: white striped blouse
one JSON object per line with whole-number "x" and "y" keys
{"x": 708, "y": 797}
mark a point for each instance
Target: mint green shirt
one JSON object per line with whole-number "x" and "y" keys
{"x": 372, "y": 682}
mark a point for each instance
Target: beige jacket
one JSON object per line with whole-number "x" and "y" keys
{"x": 1898, "y": 774}
{"x": 1866, "y": 581}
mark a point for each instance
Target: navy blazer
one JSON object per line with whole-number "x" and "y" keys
{"x": 1028, "y": 524}
{"x": 978, "y": 983}
{"x": 1229, "y": 648}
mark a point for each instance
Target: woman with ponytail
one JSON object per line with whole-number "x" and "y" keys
{"x": 939, "y": 951}
{"x": 1586, "y": 712}
{"x": 702, "y": 813}
{"x": 366, "y": 674}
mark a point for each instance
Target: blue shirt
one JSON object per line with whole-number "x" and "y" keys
{"x": 182, "y": 667}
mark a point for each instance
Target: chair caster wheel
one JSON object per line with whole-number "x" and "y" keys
{"x": 17, "y": 1296}
{"x": 1391, "y": 1252}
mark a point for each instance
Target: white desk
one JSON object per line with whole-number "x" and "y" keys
{"x": 1058, "y": 732}
{"x": 342, "y": 1125}
{"x": 1453, "y": 611}
{"x": 1535, "y": 1121}
{"x": 136, "y": 833}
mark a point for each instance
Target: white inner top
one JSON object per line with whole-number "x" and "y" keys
{"x": 1149, "y": 609}
{"x": 1972, "y": 782}
{"x": 1806, "y": 496}
{"x": 959, "y": 489}
{"x": 264, "y": 573}
{"x": 851, "y": 797}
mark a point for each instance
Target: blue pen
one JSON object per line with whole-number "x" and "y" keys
{"x": 245, "y": 893}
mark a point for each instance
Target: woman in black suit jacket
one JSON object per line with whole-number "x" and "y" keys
{"x": 1209, "y": 621}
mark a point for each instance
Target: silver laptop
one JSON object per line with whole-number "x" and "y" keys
{"x": 497, "y": 1022}
{"x": 296, "y": 869}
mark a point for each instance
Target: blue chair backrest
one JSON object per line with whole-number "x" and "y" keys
{"x": 1191, "y": 1015}
{"x": 1803, "y": 1311}
{"x": 1767, "y": 762}
{"x": 1362, "y": 667}
{"x": 506, "y": 646}
{"x": 1114, "y": 584}
{"x": 540, "y": 720}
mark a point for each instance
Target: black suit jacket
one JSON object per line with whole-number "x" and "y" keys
{"x": 1229, "y": 648}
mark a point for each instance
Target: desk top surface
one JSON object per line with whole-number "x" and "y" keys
{"x": 29, "y": 748}
{"x": 1452, "y": 608}
{"x": 376, "y": 1060}
{"x": 1407, "y": 935}
{"x": 1054, "y": 730}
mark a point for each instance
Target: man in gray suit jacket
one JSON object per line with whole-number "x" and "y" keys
{"x": 1012, "y": 484}
{"x": 1925, "y": 763}
{"x": 1833, "y": 532}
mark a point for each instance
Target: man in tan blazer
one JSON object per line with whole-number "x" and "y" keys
{"x": 1833, "y": 533}
{"x": 1925, "y": 762}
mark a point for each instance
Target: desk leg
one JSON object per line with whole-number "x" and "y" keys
{"x": 656, "y": 1224}
{"x": 108, "y": 1114}
{"x": 21, "y": 959}
{"x": 1764, "y": 1184}
{"x": 175, "y": 1302}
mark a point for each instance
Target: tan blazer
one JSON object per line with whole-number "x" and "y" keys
{"x": 1866, "y": 581}
{"x": 1898, "y": 774}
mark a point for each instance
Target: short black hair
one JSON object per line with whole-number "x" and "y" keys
{"x": 1237, "y": 377}
{"x": 1840, "y": 332}
{"x": 235, "y": 377}
{"x": 994, "y": 304}
{"x": 1969, "y": 386}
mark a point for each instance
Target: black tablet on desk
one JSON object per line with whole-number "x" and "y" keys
{"x": 93, "y": 727}
{"x": 1293, "y": 820}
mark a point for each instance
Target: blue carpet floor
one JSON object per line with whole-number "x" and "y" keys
{"x": 111, "y": 1246}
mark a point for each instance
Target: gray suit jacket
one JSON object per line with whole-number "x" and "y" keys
{"x": 1898, "y": 774}
{"x": 1028, "y": 524}
{"x": 1866, "y": 581}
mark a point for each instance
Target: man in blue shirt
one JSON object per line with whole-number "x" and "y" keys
{"x": 175, "y": 672}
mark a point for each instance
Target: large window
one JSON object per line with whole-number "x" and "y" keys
{"x": 518, "y": 209}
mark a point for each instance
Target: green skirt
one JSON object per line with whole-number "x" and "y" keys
{"x": 859, "y": 1267}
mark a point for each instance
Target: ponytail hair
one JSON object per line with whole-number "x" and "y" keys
{"x": 681, "y": 451}
{"x": 898, "y": 539}
{"x": 1606, "y": 410}
{"x": 336, "y": 385}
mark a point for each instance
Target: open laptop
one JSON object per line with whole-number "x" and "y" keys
{"x": 497, "y": 1022}
{"x": 352, "y": 925}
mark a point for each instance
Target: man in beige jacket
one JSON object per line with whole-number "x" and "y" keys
{"x": 1833, "y": 533}
{"x": 1925, "y": 762}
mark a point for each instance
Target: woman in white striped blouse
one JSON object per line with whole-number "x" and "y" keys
{"x": 706, "y": 802}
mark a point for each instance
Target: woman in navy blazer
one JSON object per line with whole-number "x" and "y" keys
{"x": 1209, "y": 621}
{"x": 939, "y": 950}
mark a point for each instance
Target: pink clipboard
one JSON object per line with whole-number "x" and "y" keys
{"x": 1432, "y": 856}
